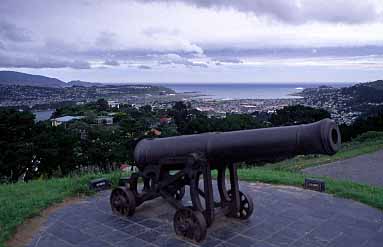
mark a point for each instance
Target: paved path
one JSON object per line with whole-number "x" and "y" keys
{"x": 367, "y": 169}
{"x": 283, "y": 216}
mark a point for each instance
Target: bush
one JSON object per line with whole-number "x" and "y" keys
{"x": 369, "y": 136}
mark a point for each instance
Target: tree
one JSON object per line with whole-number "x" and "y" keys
{"x": 55, "y": 150}
{"x": 16, "y": 146}
{"x": 297, "y": 114}
{"x": 181, "y": 115}
{"x": 102, "y": 105}
{"x": 363, "y": 124}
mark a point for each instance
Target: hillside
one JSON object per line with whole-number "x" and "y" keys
{"x": 366, "y": 92}
{"x": 17, "y": 78}
{"x": 79, "y": 83}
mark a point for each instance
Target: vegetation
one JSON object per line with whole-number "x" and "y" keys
{"x": 297, "y": 114}
{"x": 38, "y": 150}
{"x": 20, "y": 201}
{"x": 373, "y": 121}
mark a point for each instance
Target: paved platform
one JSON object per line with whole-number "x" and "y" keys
{"x": 283, "y": 216}
{"x": 366, "y": 169}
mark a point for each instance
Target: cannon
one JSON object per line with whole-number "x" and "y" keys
{"x": 167, "y": 165}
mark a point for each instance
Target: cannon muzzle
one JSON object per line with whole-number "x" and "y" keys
{"x": 322, "y": 137}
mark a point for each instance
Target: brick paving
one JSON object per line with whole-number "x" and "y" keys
{"x": 366, "y": 169}
{"x": 283, "y": 216}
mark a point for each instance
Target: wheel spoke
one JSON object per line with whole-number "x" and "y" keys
{"x": 190, "y": 224}
{"x": 122, "y": 201}
{"x": 246, "y": 206}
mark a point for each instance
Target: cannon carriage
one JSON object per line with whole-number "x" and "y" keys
{"x": 167, "y": 165}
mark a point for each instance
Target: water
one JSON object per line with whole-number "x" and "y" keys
{"x": 248, "y": 90}
{"x": 42, "y": 115}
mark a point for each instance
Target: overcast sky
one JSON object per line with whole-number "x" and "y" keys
{"x": 194, "y": 40}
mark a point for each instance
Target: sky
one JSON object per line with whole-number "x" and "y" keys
{"x": 194, "y": 40}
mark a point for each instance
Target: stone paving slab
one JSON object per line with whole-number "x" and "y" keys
{"x": 283, "y": 216}
{"x": 366, "y": 169}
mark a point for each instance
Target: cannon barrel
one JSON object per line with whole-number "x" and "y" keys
{"x": 322, "y": 137}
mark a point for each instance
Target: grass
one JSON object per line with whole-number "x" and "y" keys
{"x": 366, "y": 143}
{"x": 21, "y": 201}
{"x": 369, "y": 195}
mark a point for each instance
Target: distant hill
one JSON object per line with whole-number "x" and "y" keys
{"x": 374, "y": 84}
{"x": 366, "y": 92}
{"x": 23, "y": 79}
{"x": 17, "y": 78}
{"x": 83, "y": 83}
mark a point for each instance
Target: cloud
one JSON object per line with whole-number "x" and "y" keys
{"x": 298, "y": 11}
{"x": 144, "y": 67}
{"x": 38, "y": 62}
{"x": 106, "y": 38}
{"x": 180, "y": 36}
{"x": 10, "y": 32}
{"x": 169, "y": 59}
{"x": 111, "y": 63}
{"x": 228, "y": 60}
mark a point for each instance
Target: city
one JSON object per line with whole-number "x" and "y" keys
{"x": 343, "y": 106}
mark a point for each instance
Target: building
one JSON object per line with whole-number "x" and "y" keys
{"x": 153, "y": 132}
{"x": 104, "y": 120}
{"x": 63, "y": 120}
{"x": 113, "y": 104}
{"x": 165, "y": 120}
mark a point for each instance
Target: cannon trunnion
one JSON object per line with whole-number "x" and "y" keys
{"x": 167, "y": 165}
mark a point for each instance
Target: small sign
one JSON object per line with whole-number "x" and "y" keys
{"x": 99, "y": 184}
{"x": 315, "y": 184}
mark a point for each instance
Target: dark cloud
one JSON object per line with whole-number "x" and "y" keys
{"x": 169, "y": 59}
{"x": 13, "y": 33}
{"x": 231, "y": 54}
{"x": 144, "y": 67}
{"x": 297, "y": 11}
{"x": 106, "y": 39}
{"x": 35, "y": 62}
{"x": 111, "y": 62}
{"x": 228, "y": 60}
{"x": 153, "y": 31}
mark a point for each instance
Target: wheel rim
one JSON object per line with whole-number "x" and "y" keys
{"x": 122, "y": 202}
{"x": 246, "y": 206}
{"x": 190, "y": 224}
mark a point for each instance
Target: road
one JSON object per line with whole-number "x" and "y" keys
{"x": 366, "y": 169}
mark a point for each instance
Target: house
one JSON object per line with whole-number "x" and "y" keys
{"x": 153, "y": 132}
{"x": 63, "y": 120}
{"x": 165, "y": 120}
{"x": 113, "y": 104}
{"x": 104, "y": 120}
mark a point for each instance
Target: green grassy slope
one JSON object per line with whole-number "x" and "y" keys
{"x": 24, "y": 200}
